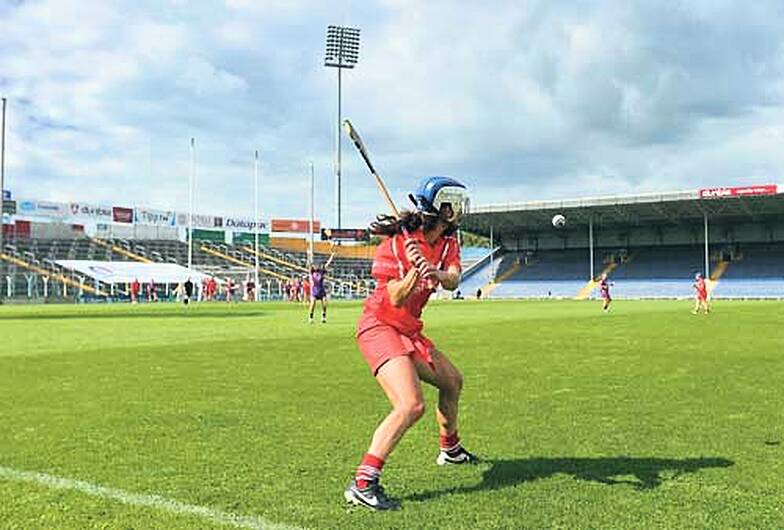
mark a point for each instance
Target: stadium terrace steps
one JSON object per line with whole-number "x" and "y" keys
{"x": 738, "y": 270}
{"x": 298, "y": 268}
{"x": 716, "y": 274}
{"x": 343, "y": 269}
{"x": 294, "y": 266}
{"x": 500, "y": 278}
{"x": 586, "y": 291}
{"x": 237, "y": 261}
{"x": 50, "y": 274}
{"x": 349, "y": 276}
{"x": 122, "y": 251}
{"x": 758, "y": 261}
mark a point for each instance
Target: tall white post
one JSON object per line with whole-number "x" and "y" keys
{"x": 191, "y": 184}
{"x": 707, "y": 260}
{"x": 310, "y": 215}
{"x": 256, "y": 219}
{"x": 590, "y": 245}
{"x": 492, "y": 256}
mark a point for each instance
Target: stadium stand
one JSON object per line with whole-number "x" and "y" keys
{"x": 650, "y": 245}
{"x": 31, "y": 262}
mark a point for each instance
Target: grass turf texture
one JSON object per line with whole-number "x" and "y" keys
{"x": 644, "y": 417}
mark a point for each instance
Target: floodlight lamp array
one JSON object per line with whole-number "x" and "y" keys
{"x": 342, "y": 47}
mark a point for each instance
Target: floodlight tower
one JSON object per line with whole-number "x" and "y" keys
{"x": 342, "y": 52}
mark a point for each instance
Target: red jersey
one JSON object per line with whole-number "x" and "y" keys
{"x": 702, "y": 289}
{"x": 390, "y": 263}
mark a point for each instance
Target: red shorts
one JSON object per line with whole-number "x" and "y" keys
{"x": 702, "y": 297}
{"x": 381, "y": 343}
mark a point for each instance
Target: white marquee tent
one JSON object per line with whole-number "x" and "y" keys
{"x": 127, "y": 271}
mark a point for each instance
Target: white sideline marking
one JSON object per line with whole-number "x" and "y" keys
{"x": 137, "y": 499}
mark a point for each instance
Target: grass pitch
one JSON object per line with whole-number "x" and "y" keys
{"x": 644, "y": 417}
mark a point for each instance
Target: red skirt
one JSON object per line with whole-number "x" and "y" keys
{"x": 382, "y": 342}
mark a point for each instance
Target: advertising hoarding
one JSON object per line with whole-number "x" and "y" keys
{"x": 294, "y": 225}
{"x": 738, "y": 191}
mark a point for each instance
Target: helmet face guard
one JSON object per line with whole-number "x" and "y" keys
{"x": 434, "y": 194}
{"x": 454, "y": 197}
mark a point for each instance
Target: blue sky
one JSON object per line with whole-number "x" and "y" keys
{"x": 523, "y": 100}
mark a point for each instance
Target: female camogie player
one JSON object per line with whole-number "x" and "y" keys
{"x": 317, "y": 289}
{"x": 604, "y": 290}
{"x": 420, "y": 253}
{"x": 700, "y": 294}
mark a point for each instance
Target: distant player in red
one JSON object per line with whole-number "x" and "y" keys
{"x": 306, "y": 288}
{"x": 701, "y": 295}
{"x": 136, "y": 287}
{"x": 604, "y": 290}
{"x": 420, "y": 253}
{"x": 211, "y": 288}
{"x": 205, "y": 288}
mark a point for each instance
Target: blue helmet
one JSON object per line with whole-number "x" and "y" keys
{"x": 434, "y": 192}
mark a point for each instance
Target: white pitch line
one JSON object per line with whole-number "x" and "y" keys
{"x": 137, "y": 499}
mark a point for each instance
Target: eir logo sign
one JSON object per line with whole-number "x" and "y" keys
{"x": 741, "y": 191}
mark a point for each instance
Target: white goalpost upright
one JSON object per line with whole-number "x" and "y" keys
{"x": 310, "y": 215}
{"x": 257, "y": 224}
{"x": 191, "y": 184}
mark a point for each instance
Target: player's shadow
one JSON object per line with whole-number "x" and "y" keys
{"x": 639, "y": 473}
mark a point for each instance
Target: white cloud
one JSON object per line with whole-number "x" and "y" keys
{"x": 205, "y": 79}
{"x": 520, "y": 99}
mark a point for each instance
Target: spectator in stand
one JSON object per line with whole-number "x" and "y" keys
{"x": 213, "y": 288}
{"x": 250, "y": 290}
{"x": 205, "y": 287}
{"x": 135, "y": 288}
{"x": 152, "y": 291}
{"x": 306, "y": 289}
{"x": 298, "y": 289}
{"x": 292, "y": 293}
{"x": 188, "y": 288}
{"x": 229, "y": 290}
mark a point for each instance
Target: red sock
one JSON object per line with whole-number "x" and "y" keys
{"x": 450, "y": 442}
{"x": 369, "y": 470}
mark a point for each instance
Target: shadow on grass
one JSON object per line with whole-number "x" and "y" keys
{"x": 640, "y": 473}
{"x": 182, "y": 313}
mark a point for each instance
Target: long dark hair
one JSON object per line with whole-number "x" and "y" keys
{"x": 389, "y": 225}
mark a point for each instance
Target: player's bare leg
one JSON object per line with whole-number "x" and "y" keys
{"x": 449, "y": 381}
{"x": 399, "y": 379}
{"x": 324, "y": 310}
{"x": 310, "y": 309}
